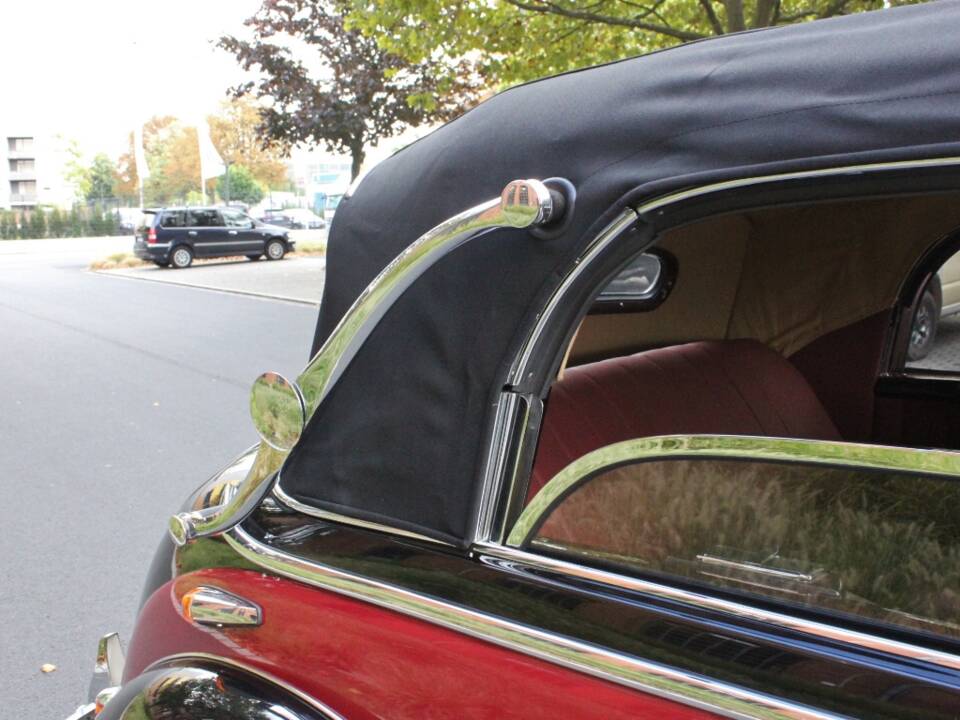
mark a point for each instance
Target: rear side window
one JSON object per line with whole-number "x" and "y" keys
{"x": 204, "y": 218}
{"x": 934, "y": 342}
{"x": 640, "y": 286}
{"x": 147, "y": 220}
{"x": 172, "y": 219}
{"x": 880, "y": 545}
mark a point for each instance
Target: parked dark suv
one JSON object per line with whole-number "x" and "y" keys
{"x": 175, "y": 236}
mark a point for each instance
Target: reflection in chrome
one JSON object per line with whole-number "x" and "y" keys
{"x": 522, "y": 204}
{"x": 731, "y": 447}
{"x": 650, "y": 677}
{"x": 201, "y": 658}
{"x": 523, "y": 561}
{"x": 110, "y": 658}
{"x": 213, "y": 606}
{"x": 278, "y": 410}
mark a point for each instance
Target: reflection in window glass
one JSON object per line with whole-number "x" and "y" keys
{"x": 881, "y": 545}
{"x": 935, "y": 329}
{"x": 636, "y": 281}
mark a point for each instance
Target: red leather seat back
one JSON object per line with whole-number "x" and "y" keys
{"x": 730, "y": 387}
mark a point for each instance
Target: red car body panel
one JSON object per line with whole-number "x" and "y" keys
{"x": 368, "y": 662}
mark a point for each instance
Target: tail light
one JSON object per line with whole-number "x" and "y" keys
{"x": 152, "y": 235}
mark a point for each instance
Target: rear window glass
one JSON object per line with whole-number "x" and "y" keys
{"x": 883, "y": 546}
{"x": 172, "y": 219}
{"x": 641, "y": 285}
{"x": 147, "y": 220}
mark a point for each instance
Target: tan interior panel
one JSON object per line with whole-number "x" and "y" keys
{"x": 784, "y": 276}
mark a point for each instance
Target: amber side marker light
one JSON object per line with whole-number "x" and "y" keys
{"x": 219, "y": 608}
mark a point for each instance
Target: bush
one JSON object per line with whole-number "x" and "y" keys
{"x": 77, "y": 226}
{"x": 56, "y": 226}
{"x": 38, "y": 224}
{"x": 24, "y": 226}
{"x": 5, "y": 225}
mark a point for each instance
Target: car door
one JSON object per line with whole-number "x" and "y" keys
{"x": 205, "y": 232}
{"x": 242, "y": 237}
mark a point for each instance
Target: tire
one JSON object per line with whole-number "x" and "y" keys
{"x": 181, "y": 257}
{"x": 923, "y": 331}
{"x": 253, "y": 258}
{"x": 275, "y": 250}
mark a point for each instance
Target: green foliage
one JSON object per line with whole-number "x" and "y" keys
{"x": 38, "y": 223}
{"x": 6, "y": 225}
{"x": 24, "y": 221}
{"x": 101, "y": 178}
{"x": 243, "y": 186}
{"x": 56, "y": 224}
{"x": 77, "y": 226}
{"x": 514, "y": 41}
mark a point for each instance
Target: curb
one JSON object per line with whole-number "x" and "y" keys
{"x": 209, "y": 288}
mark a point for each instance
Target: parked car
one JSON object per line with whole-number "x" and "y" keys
{"x": 941, "y": 298}
{"x": 175, "y": 236}
{"x": 294, "y": 218}
{"x": 527, "y": 475}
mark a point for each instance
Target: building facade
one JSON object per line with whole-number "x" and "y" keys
{"x": 31, "y": 171}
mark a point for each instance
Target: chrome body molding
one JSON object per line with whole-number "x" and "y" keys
{"x": 504, "y": 427}
{"x": 672, "y": 198}
{"x": 819, "y": 630}
{"x": 522, "y": 204}
{"x": 649, "y": 677}
{"x": 110, "y": 659}
{"x": 300, "y": 507}
{"x": 212, "y": 606}
{"x": 730, "y": 447}
{"x": 186, "y": 658}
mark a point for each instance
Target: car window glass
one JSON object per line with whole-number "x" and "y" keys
{"x": 934, "y": 342}
{"x": 147, "y": 220}
{"x": 880, "y": 545}
{"x": 204, "y": 218}
{"x": 234, "y": 219}
{"x": 172, "y": 219}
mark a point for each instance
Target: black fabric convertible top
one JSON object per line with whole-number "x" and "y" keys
{"x": 399, "y": 439}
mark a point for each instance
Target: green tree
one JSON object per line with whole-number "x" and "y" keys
{"x": 513, "y": 41}
{"x": 77, "y": 225}
{"x": 235, "y": 133}
{"x": 75, "y": 171}
{"x": 38, "y": 223}
{"x": 24, "y": 222}
{"x": 101, "y": 178}
{"x": 4, "y": 225}
{"x": 56, "y": 227}
{"x": 242, "y": 186}
{"x": 360, "y": 94}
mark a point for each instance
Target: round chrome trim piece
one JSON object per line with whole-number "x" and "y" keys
{"x": 169, "y": 660}
{"x": 649, "y": 677}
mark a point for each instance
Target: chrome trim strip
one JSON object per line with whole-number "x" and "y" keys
{"x": 609, "y": 234}
{"x": 522, "y": 204}
{"x": 819, "y": 630}
{"x": 504, "y": 426}
{"x": 781, "y": 450}
{"x": 649, "y": 677}
{"x": 170, "y": 660}
{"x": 680, "y": 196}
{"x": 330, "y": 516}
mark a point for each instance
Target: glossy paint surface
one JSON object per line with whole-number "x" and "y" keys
{"x": 366, "y": 662}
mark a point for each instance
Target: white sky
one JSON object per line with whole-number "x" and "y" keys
{"x": 91, "y": 69}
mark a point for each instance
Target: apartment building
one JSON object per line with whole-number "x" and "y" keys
{"x": 31, "y": 171}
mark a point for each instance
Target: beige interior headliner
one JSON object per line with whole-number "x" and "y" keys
{"x": 785, "y": 276}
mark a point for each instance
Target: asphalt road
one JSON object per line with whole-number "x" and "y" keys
{"x": 119, "y": 398}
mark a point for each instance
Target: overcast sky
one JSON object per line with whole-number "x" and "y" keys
{"x": 91, "y": 69}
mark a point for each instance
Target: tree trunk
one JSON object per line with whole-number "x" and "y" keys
{"x": 735, "y": 18}
{"x": 357, "y": 156}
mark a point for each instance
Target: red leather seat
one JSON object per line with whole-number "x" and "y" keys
{"x": 730, "y": 387}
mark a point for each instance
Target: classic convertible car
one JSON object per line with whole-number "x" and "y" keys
{"x": 609, "y": 414}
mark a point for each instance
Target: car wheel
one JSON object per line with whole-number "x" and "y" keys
{"x": 253, "y": 258}
{"x": 181, "y": 257}
{"x": 276, "y": 250}
{"x": 923, "y": 332}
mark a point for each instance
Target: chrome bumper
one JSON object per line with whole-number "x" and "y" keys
{"x": 107, "y": 676}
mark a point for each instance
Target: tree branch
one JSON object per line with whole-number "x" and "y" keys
{"x": 715, "y": 23}
{"x": 551, "y": 8}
